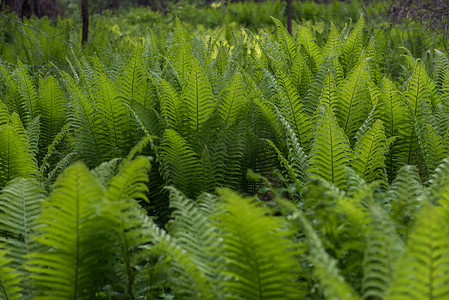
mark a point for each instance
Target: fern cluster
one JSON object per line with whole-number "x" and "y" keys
{"x": 88, "y": 155}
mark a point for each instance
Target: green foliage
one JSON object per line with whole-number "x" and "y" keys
{"x": 362, "y": 162}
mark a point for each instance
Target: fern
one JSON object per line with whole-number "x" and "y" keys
{"x": 233, "y": 101}
{"x": 354, "y": 104}
{"x": 330, "y": 152}
{"x": 292, "y": 109}
{"x": 16, "y": 157}
{"x": 325, "y": 267}
{"x": 352, "y": 46}
{"x": 20, "y": 205}
{"x": 64, "y": 270}
{"x": 198, "y": 97}
{"x": 369, "y": 153}
{"x": 9, "y": 279}
{"x": 422, "y": 272}
{"x": 383, "y": 249}
{"x": 181, "y": 166}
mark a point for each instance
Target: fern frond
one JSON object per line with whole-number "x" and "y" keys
{"x": 422, "y": 271}
{"x": 28, "y": 92}
{"x": 254, "y": 245}
{"x": 383, "y": 249}
{"x": 51, "y": 106}
{"x": 404, "y": 196}
{"x": 301, "y": 75}
{"x": 199, "y": 99}
{"x": 330, "y": 152}
{"x": 369, "y": 153}
{"x": 354, "y": 103}
{"x": 292, "y": 109}
{"x": 333, "y": 43}
{"x": 286, "y": 42}
{"x": 20, "y": 204}
{"x": 132, "y": 80}
{"x": 113, "y": 111}
{"x": 325, "y": 266}
{"x": 91, "y": 136}
{"x": 352, "y": 46}
{"x": 233, "y": 101}
{"x": 64, "y": 270}
{"x": 311, "y": 48}
{"x": 9, "y": 279}
{"x": 181, "y": 165}
{"x": 16, "y": 158}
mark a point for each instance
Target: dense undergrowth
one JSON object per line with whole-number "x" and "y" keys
{"x": 117, "y": 169}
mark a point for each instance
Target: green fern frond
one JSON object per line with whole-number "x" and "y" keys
{"x": 292, "y": 109}
{"x": 404, "y": 196}
{"x": 325, "y": 267}
{"x": 16, "y": 158}
{"x": 311, "y": 48}
{"x": 190, "y": 281}
{"x": 64, "y": 270}
{"x": 33, "y": 132}
{"x": 181, "y": 165}
{"x": 354, "y": 103}
{"x": 199, "y": 99}
{"x": 9, "y": 279}
{"x": 286, "y": 42}
{"x": 91, "y": 136}
{"x": 331, "y": 151}
{"x": 383, "y": 249}
{"x": 301, "y": 75}
{"x": 352, "y": 46}
{"x": 172, "y": 107}
{"x": 119, "y": 133}
{"x": 233, "y": 101}
{"x": 433, "y": 147}
{"x": 440, "y": 68}
{"x": 20, "y": 205}
{"x": 254, "y": 245}
{"x": 52, "y": 107}
{"x": 132, "y": 80}
{"x": 28, "y": 92}
{"x": 422, "y": 271}
{"x": 333, "y": 44}
{"x": 369, "y": 153}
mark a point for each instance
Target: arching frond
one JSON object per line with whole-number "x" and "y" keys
{"x": 64, "y": 269}
{"x": 254, "y": 244}
{"x": 423, "y": 270}
{"x": 197, "y": 94}
{"x": 354, "y": 103}
{"x": 16, "y": 158}
{"x": 292, "y": 109}
{"x": 181, "y": 166}
{"x": 352, "y": 46}
{"x": 369, "y": 153}
{"x": 333, "y": 44}
{"x": 324, "y": 266}
{"x": 286, "y": 42}
{"x": 383, "y": 249}
{"x": 330, "y": 152}
{"x": 20, "y": 205}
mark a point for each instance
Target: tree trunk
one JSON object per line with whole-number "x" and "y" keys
{"x": 85, "y": 18}
{"x": 289, "y": 16}
{"x": 115, "y": 4}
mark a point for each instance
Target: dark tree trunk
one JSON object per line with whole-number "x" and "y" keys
{"x": 85, "y": 17}
{"x": 164, "y": 7}
{"x": 289, "y": 16}
{"x": 115, "y": 4}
